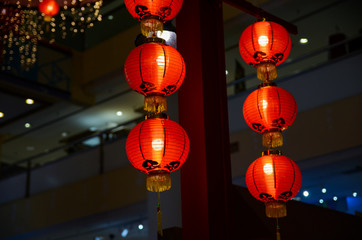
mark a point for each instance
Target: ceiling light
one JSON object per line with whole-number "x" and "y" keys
{"x": 324, "y": 190}
{"x": 124, "y": 232}
{"x": 140, "y": 226}
{"x": 335, "y": 198}
{"x": 354, "y": 194}
{"x": 92, "y": 142}
{"x": 29, "y": 101}
{"x": 305, "y": 193}
{"x": 27, "y": 125}
{"x": 119, "y": 113}
{"x": 111, "y": 124}
{"x": 303, "y": 41}
{"x": 93, "y": 129}
{"x": 110, "y": 17}
{"x": 1, "y": 114}
{"x": 321, "y": 201}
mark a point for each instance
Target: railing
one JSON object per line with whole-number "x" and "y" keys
{"x": 98, "y": 139}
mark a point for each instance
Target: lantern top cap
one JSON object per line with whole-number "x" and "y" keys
{"x": 271, "y": 152}
{"x": 267, "y": 84}
{"x": 155, "y": 40}
{"x": 262, "y": 20}
{"x": 157, "y": 115}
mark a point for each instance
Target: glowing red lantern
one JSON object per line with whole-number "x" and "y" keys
{"x": 49, "y": 8}
{"x": 164, "y": 9}
{"x": 155, "y": 70}
{"x": 274, "y": 179}
{"x": 152, "y": 13}
{"x": 263, "y": 45}
{"x": 157, "y": 146}
{"x": 270, "y": 110}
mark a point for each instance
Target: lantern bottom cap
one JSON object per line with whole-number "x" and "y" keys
{"x": 158, "y": 181}
{"x": 276, "y": 209}
{"x": 272, "y": 139}
{"x": 155, "y": 103}
{"x": 266, "y": 71}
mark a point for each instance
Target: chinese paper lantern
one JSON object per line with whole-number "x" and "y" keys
{"x": 157, "y": 146}
{"x": 155, "y": 70}
{"x": 270, "y": 110}
{"x": 273, "y": 179}
{"x": 49, "y": 8}
{"x": 264, "y": 45}
{"x": 152, "y": 13}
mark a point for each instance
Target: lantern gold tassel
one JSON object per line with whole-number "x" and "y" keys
{"x": 272, "y": 138}
{"x": 266, "y": 71}
{"x": 159, "y": 217}
{"x": 276, "y": 209}
{"x": 155, "y": 103}
{"x": 158, "y": 181}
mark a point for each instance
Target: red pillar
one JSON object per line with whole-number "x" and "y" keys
{"x": 206, "y": 176}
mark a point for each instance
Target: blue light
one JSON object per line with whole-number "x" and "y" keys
{"x": 124, "y": 232}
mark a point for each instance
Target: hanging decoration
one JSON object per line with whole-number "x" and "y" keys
{"x": 156, "y": 146}
{"x": 273, "y": 179}
{"x": 270, "y": 110}
{"x": 155, "y": 70}
{"x": 152, "y": 14}
{"x": 24, "y": 23}
{"x": 49, "y": 8}
{"x": 20, "y": 33}
{"x": 264, "y": 45}
{"x": 78, "y": 15}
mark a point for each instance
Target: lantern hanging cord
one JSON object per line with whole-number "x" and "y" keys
{"x": 159, "y": 216}
{"x": 278, "y": 228}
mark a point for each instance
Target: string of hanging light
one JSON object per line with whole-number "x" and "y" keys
{"x": 25, "y": 22}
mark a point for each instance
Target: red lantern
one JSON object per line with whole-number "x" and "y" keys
{"x": 273, "y": 179}
{"x": 155, "y": 70}
{"x": 49, "y": 8}
{"x": 265, "y": 44}
{"x": 164, "y": 9}
{"x": 270, "y": 110}
{"x": 157, "y": 146}
{"x": 153, "y": 13}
